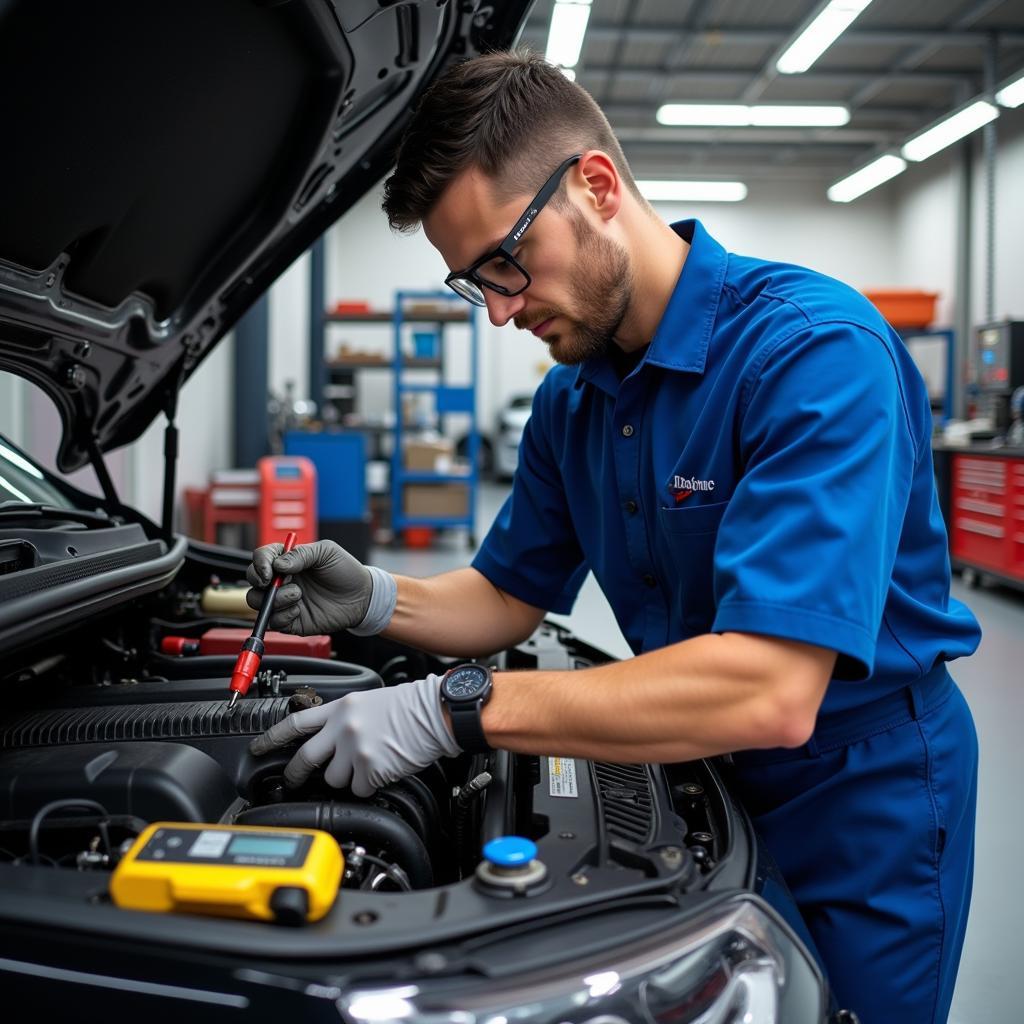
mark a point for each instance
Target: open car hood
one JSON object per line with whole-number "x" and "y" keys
{"x": 165, "y": 162}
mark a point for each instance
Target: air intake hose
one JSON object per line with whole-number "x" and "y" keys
{"x": 369, "y": 826}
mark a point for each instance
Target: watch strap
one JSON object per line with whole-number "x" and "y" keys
{"x": 467, "y": 727}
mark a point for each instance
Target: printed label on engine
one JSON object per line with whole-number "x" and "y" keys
{"x": 562, "y": 776}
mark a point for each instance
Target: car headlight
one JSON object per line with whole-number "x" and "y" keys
{"x": 738, "y": 963}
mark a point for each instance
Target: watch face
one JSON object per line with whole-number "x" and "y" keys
{"x": 466, "y": 682}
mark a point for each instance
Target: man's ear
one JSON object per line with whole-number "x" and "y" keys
{"x": 600, "y": 184}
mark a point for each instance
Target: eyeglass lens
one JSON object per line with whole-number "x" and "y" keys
{"x": 469, "y": 290}
{"x": 503, "y": 275}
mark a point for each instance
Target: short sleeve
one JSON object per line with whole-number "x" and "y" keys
{"x": 531, "y": 550}
{"x": 808, "y": 541}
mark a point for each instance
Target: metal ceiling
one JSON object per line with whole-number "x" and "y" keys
{"x": 899, "y": 67}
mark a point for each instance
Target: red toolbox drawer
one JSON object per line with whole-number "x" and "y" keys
{"x": 980, "y": 503}
{"x": 1015, "y": 518}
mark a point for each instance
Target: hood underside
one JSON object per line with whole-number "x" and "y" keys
{"x": 166, "y": 162}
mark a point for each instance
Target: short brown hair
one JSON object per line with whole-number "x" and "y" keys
{"x": 512, "y": 115}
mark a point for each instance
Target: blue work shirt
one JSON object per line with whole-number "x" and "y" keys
{"x": 765, "y": 467}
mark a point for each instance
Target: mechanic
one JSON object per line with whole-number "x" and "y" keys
{"x": 740, "y": 452}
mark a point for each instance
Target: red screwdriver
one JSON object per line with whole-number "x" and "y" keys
{"x": 249, "y": 659}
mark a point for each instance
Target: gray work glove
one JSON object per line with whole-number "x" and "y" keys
{"x": 326, "y": 590}
{"x": 367, "y": 739}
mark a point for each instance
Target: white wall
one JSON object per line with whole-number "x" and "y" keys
{"x": 12, "y": 416}
{"x": 925, "y": 221}
{"x": 795, "y": 223}
{"x": 926, "y": 224}
{"x": 289, "y": 329}
{"x": 1009, "y": 233}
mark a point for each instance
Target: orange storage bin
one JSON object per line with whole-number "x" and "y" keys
{"x": 904, "y": 308}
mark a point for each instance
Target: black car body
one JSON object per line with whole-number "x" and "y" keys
{"x": 165, "y": 162}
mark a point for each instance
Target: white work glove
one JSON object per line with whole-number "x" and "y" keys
{"x": 369, "y": 738}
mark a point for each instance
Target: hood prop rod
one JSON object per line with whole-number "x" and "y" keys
{"x": 170, "y": 459}
{"x": 99, "y": 467}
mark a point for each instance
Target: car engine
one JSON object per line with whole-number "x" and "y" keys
{"x": 102, "y": 732}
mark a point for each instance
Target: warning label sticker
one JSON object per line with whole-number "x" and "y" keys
{"x": 562, "y": 776}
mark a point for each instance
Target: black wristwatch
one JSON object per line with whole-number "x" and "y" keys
{"x": 466, "y": 689}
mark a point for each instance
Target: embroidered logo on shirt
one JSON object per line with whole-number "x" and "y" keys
{"x": 683, "y": 487}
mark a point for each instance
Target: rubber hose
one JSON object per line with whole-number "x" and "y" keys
{"x": 369, "y": 826}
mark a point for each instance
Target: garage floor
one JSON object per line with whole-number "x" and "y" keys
{"x": 993, "y": 682}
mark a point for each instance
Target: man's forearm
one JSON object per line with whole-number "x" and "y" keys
{"x": 709, "y": 695}
{"x": 459, "y": 613}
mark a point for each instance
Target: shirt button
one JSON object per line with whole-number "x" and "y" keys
{"x": 631, "y": 506}
{"x": 627, "y": 431}
{"x": 650, "y": 581}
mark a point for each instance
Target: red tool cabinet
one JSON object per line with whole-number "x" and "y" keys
{"x": 987, "y": 514}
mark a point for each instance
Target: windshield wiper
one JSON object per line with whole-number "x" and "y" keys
{"x": 37, "y": 510}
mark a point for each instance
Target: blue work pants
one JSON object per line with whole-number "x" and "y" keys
{"x": 875, "y": 838}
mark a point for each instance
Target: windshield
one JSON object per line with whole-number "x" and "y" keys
{"x": 21, "y": 481}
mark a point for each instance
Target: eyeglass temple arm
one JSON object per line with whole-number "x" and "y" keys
{"x": 547, "y": 191}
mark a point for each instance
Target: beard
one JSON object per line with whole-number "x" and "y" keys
{"x": 603, "y": 290}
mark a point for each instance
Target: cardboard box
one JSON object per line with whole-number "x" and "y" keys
{"x": 441, "y": 500}
{"x": 429, "y": 456}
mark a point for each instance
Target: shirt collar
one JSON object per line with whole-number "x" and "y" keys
{"x": 684, "y": 333}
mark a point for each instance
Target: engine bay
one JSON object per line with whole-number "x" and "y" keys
{"x": 102, "y": 733}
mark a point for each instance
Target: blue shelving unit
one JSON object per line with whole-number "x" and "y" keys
{"x": 449, "y": 399}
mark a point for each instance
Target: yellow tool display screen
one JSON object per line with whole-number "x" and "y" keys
{"x": 271, "y": 874}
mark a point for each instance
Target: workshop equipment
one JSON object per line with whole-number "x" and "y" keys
{"x": 289, "y": 876}
{"x": 279, "y": 494}
{"x": 998, "y": 368}
{"x": 288, "y": 485}
{"x": 248, "y": 662}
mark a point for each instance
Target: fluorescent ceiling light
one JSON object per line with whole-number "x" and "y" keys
{"x": 1011, "y": 95}
{"x": 735, "y": 115}
{"x": 693, "y": 191}
{"x": 568, "y": 27}
{"x": 826, "y": 28}
{"x": 799, "y": 117}
{"x": 569, "y": 73}
{"x": 953, "y": 128}
{"x": 876, "y": 173}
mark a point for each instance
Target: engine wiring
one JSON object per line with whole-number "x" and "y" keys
{"x": 58, "y": 805}
{"x": 356, "y": 856}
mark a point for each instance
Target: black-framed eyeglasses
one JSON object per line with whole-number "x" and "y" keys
{"x": 498, "y": 269}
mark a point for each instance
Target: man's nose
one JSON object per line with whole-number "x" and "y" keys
{"x": 501, "y": 308}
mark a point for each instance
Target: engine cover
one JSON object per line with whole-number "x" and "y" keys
{"x": 153, "y": 781}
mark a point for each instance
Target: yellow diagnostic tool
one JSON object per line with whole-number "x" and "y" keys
{"x": 289, "y": 876}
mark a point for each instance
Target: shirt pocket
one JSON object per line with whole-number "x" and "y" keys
{"x": 687, "y": 537}
{"x": 698, "y": 519}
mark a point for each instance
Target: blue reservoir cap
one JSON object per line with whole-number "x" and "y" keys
{"x": 510, "y": 852}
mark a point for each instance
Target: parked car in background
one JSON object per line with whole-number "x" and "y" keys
{"x": 508, "y": 432}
